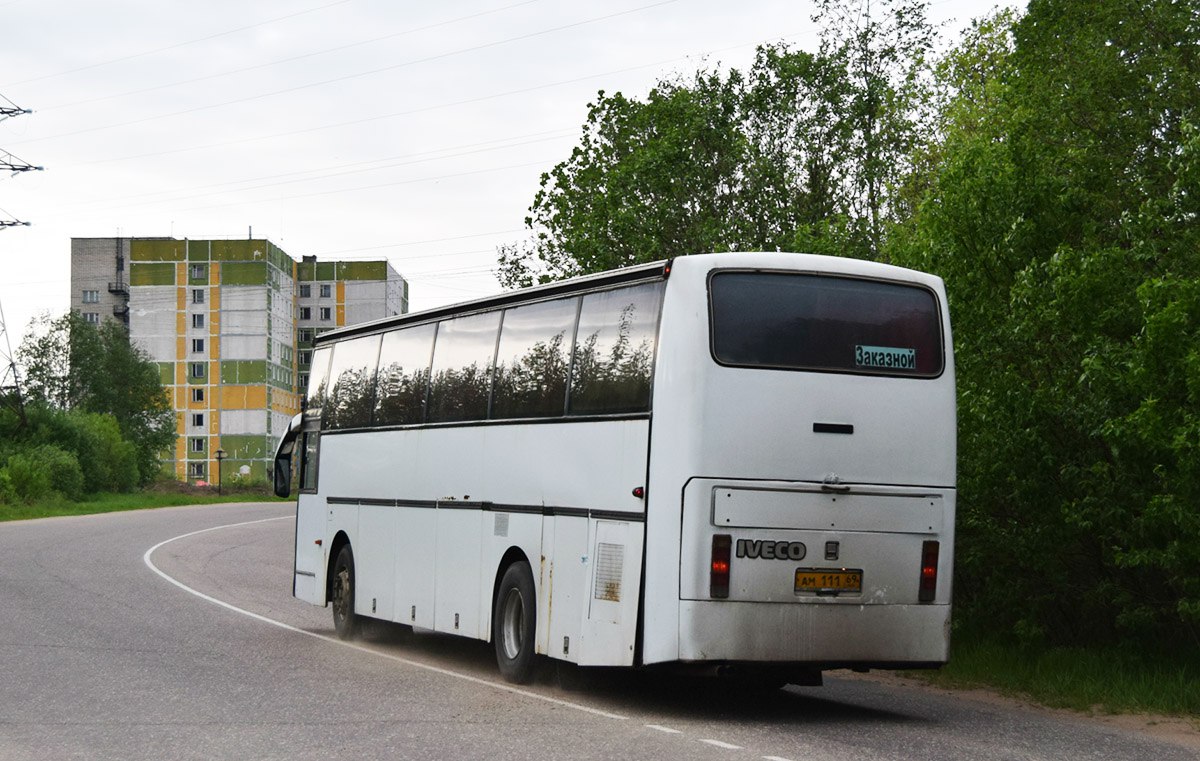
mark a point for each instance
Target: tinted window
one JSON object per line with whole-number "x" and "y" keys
{"x": 462, "y": 361}
{"x": 810, "y": 322}
{"x": 532, "y": 363}
{"x": 318, "y": 381}
{"x": 403, "y": 376}
{"x": 351, "y": 398}
{"x": 614, "y": 350}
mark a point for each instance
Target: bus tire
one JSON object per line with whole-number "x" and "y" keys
{"x": 345, "y": 620}
{"x": 514, "y": 623}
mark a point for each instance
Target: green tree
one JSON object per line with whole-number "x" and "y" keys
{"x": 649, "y": 180}
{"x": 881, "y": 50}
{"x": 39, "y": 473}
{"x": 803, "y": 153}
{"x": 1060, "y": 211}
{"x": 72, "y": 364}
{"x": 107, "y": 460}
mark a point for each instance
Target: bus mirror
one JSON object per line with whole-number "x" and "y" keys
{"x": 283, "y": 475}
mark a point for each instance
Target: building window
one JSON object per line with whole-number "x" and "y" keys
{"x": 305, "y": 357}
{"x": 91, "y": 297}
{"x": 198, "y": 345}
{"x": 197, "y": 321}
{"x": 92, "y": 317}
{"x": 303, "y": 380}
{"x": 306, "y": 335}
{"x": 199, "y": 271}
{"x": 196, "y": 470}
{"x": 197, "y": 444}
{"x": 198, "y": 419}
{"x": 326, "y": 291}
{"x": 305, "y": 291}
{"x": 326, "y": 313}
{"x": 197, "y": 369}
{"x": 197, "y": 295}
{"x": 305, "y": 313}
{"x": 197, "y": 395}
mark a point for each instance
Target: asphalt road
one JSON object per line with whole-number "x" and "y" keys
{"x": 127, "y": 636}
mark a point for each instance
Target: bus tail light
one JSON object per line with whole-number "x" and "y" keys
{"x": 718, "y": 579}
{"x": 929, "y": 568}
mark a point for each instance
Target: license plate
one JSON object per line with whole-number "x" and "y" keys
{"x": 829, "y": 580}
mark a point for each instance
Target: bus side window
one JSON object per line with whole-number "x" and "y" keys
{"x": 403, "y": 376}
{"x": 350, "y": 399}
{"x": 534, "y": 354}
{"x": 462, "y": 367}
{"x": 308, "y": 462}
{"x": 318, "y": 381}
{"x": 613, "y": 360}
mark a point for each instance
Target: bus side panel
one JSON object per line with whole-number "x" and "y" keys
{"x": 311, "y": 563}
{"x": 445, "y": 555}
{"x": 503, "y": 531}
{"x": 457, "y": 589}
{"x": 451, "y": 463}
{"x": 374, "y": 568}
{"x": 568, "y": 579}
{"x": 613, "y": 593}
{"x": 415, "y": 553}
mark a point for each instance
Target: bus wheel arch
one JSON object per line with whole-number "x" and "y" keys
{"x": 334, "y": 548}
{"x": 340, "y": 584}
{"x": 514, "y": 618}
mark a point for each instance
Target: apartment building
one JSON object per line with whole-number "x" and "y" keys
{"x": 230, "y": 324}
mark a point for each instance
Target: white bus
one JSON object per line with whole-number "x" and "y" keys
{"x": 743, "y": 462}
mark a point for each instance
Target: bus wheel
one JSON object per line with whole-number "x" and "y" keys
{"x": 514, "y": 623}
{"x": 345, "y": 620}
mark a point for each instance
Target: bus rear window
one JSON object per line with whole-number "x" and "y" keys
{"x": 833, "y": 324}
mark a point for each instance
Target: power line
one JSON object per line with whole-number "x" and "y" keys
{"x": 281, "y": 61}
{"x": 439, "y": 106}
{"x": 376, "y": 186}
{"x": 425, "y": 242}
{"x": 185, "y": 43}
{"x": 335, "y": 80}
{"x": 371, "y": 165}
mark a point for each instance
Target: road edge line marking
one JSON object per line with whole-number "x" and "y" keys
{"x": 721, "y": 744}
{"x": 288, "y": 627}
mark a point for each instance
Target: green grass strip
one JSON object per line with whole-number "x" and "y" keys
{"x": 1104, "y": 680}
{"x": 109, "y": 503}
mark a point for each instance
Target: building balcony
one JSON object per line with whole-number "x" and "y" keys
{"x": 119, "y": 287}
{"x": 120, "y": 310}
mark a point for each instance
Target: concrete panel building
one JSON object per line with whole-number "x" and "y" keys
{"x": 100, "y": 278}
{"x": 230, "y": 324}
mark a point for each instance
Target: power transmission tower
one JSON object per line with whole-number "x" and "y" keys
{"x": 10, "y": 379}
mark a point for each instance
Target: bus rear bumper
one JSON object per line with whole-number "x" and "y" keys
{"x": 824, "y": 635}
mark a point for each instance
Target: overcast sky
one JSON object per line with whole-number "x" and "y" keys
{"x": 356, "y": 129}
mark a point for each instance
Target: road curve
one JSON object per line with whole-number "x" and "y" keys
{"x": 171, "y": 634}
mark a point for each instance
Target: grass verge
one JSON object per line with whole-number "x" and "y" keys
{"x": 109, "y": 503}
{"x": 1107, "y": 680}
